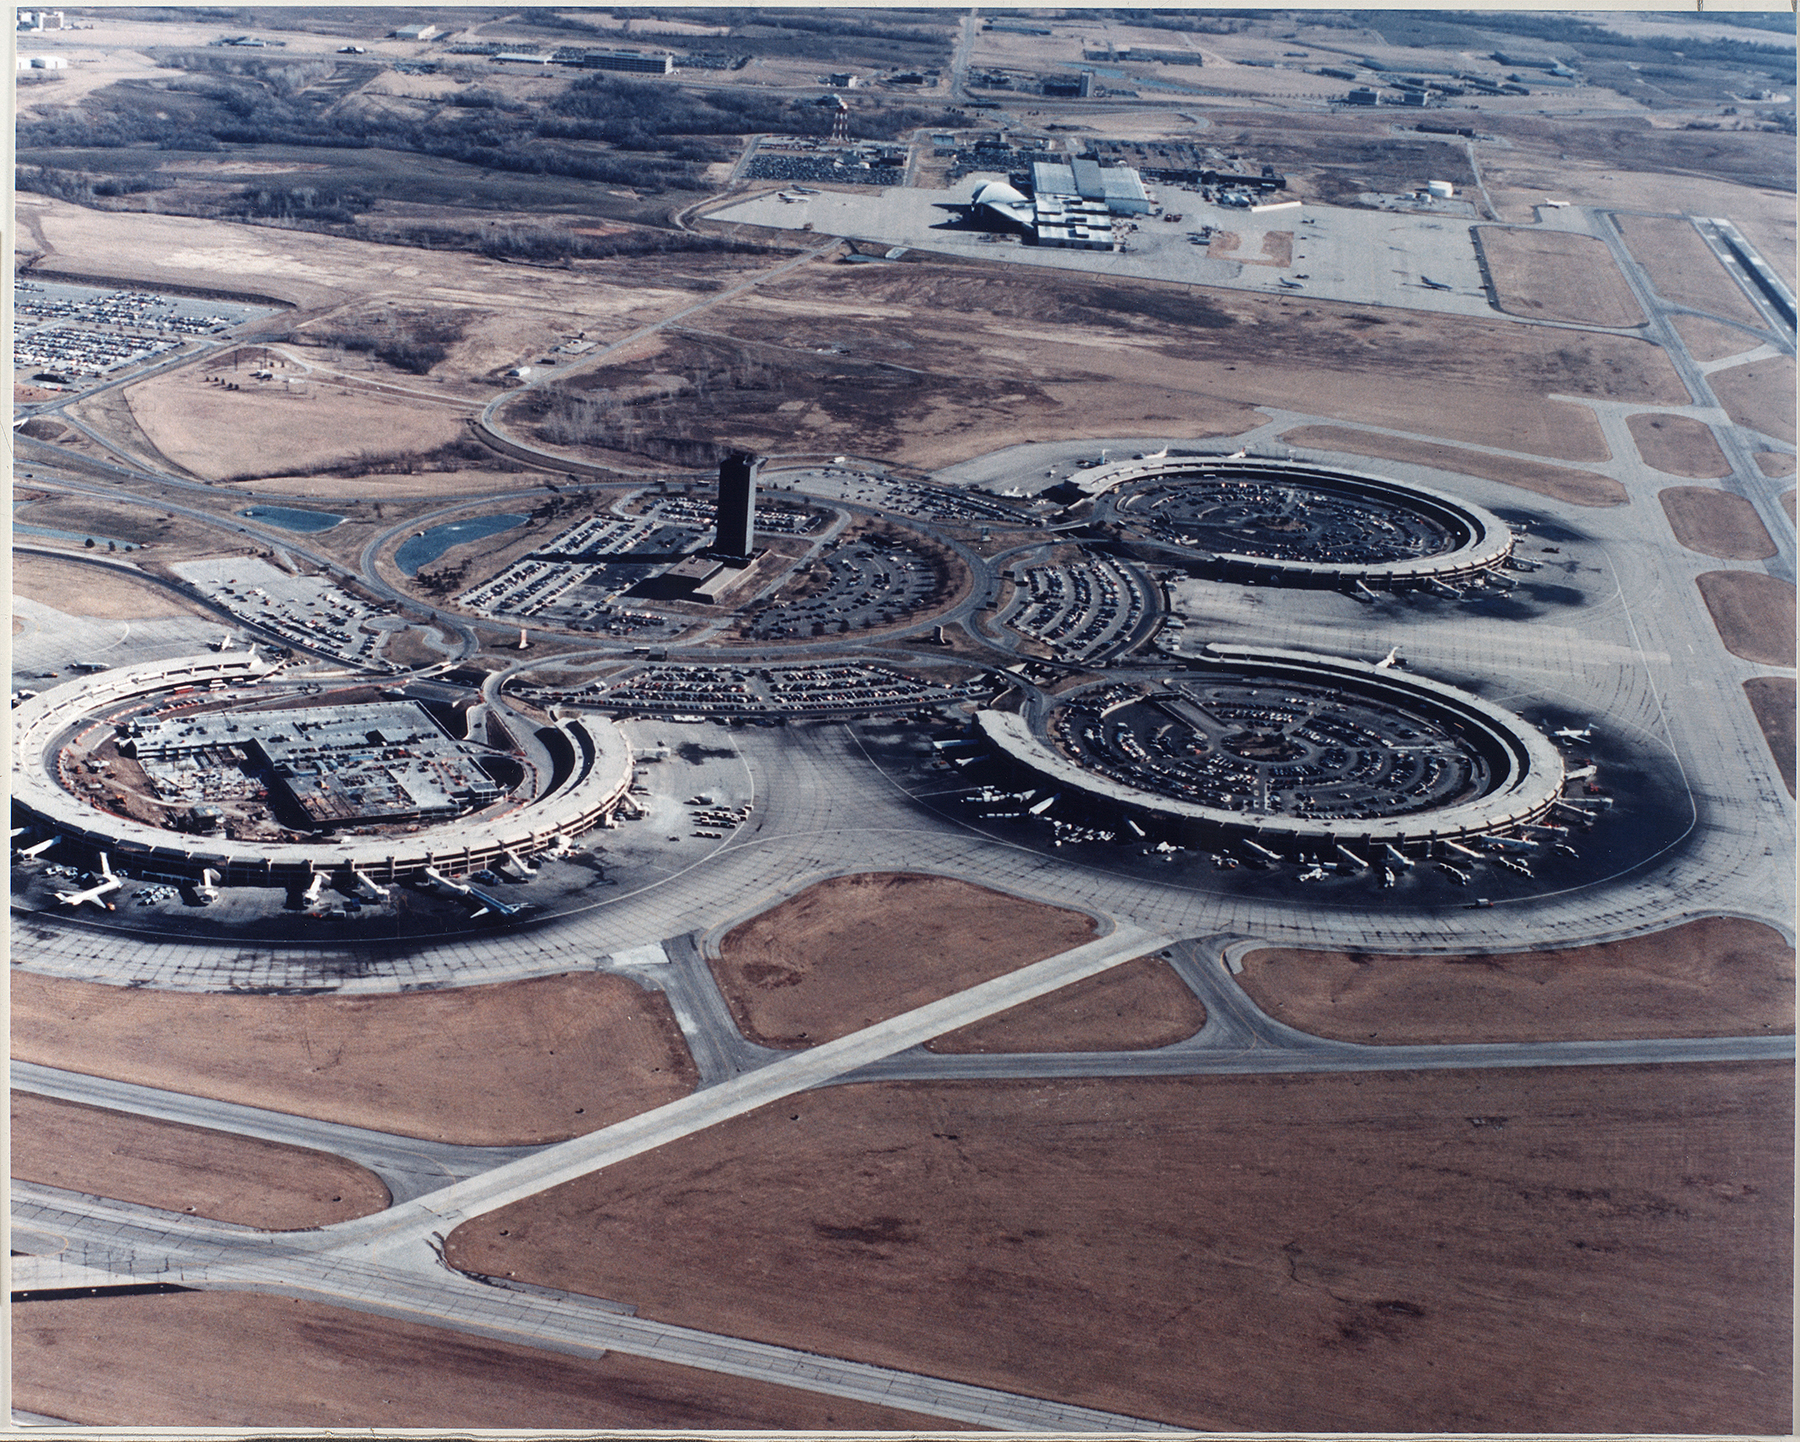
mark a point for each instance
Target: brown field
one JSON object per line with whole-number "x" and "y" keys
{"x": 1754, "y": 614}
{"x": 432, "y": 485}
{"x": 1683, "y": 268}
{"x": 606, "y": 299}
{"x": 854, "y": 950}
{"x": 1777, "y": 463}
{"x": 1759, "y": 395}
{"x": 235, "y": 1359}
{"x": 1772, "y": 698}
{"x": 1716, "y": 977}
{"x": 216, "y": 433}
{"x": 186, "y": 1169}
{"x": 1711, "y": 340}
{"x": 1556, "y": 1250}
{"x": 953, "y": 360}
{"x": 1133, "y": 1007}
{"x": 1678, "y": 445}
{"x": 517, "y": 1062}
{"x": 1579, "y": 488}
{"x": 1716, "y": 523}
{"x": 104, "y": 592}
{"x": 1555, "y": 275}
{"x": 1787, "y": 501}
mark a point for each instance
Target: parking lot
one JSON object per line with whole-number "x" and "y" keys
{"x": 1080, "y": 607}
{"x": 306, "y": 611}
{"x": 81, "y": 332}
{"x": 842, "y": 687}
{"x": 870, "y": 581}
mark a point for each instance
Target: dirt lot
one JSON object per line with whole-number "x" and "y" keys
{"x": 1579, "y": 488}
{"x": 105, "y": 593}
{"x": 854, "y": 950}
{"x": 931, "y": 363}
{"x": 1772, "y": 698}
{"x": 1777, "y": 463}
{"x": 1759, "y": 395}
{"x": 1564, "y": 1250}
{"x": 1678, "y": 445}
{"x": 1133, "y": 1007}
{"x": 218, "y": 433}
{"x": 471, "y": 1065}
{"x": 1554, "y": 275}
{"x": 233, "y": 1359}
{"x": 1683, "y": 268}
{"x": 1711, "y": 340}
{"x": 1716, "y": 523}
{"x": 1754, "y": 614}
{"x": 1716, "y": 977}
{"x": 186, "y": 1169}
{"x": 606, "y": 299}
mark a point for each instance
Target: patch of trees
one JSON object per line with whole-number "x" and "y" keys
{"x": 412, "y": 342}
{"x": 302, "y": 202}
{"x": 1564, "y": 30}
{"x": 648, "y": 426}
{"x": 1196, "y": 24}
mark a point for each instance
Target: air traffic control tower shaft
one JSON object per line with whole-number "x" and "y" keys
{"x": 737, "y": 505}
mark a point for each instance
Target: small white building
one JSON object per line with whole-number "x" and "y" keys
{"x": 42, "y": 62}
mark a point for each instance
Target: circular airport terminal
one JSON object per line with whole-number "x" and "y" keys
{"x": 1299, "y": 524}
{"x": 214, "y": 771}
{"x": 1292, "y": 752}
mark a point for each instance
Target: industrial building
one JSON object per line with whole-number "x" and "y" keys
{"x": 1118, "y": 188}
{"x": 1073, "y": 204}
{"x": 634, "y": 61}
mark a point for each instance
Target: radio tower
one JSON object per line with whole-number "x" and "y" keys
{"x": 840, "y": 123}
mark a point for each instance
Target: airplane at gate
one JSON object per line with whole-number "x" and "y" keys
{"x": 104, "y": 887}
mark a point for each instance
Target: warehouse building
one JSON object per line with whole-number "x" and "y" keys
{"x": 633, "y": 61}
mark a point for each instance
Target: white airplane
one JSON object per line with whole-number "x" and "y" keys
{"x": 1316, "y": 874}
{"x": 1569, "y": 733}
{"x": 1389, "y": 661}
{"x": 38, "y": 848}
{"x": 104, "y": 887}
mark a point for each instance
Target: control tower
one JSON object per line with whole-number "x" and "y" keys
{"x": 737, "y": 506}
